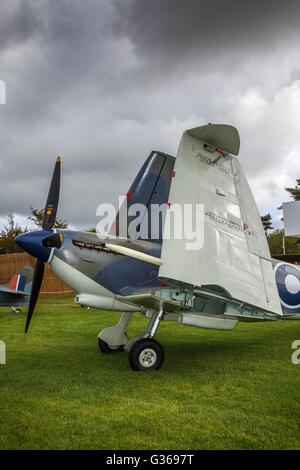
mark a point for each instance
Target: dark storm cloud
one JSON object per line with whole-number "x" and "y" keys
{"x": 58, "y": 76}
{"x": 65, "y": 48}
{"x": 171, "y": 29}
{"x": 18, "y": 22}
{"x": 104, "y": 82}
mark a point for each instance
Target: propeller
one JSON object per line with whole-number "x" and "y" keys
{"x": 48, "y": 222}
{"x": 37, "y": 278}
{"x": 52, "y": 199}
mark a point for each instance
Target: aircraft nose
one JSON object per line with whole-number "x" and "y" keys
{"x": 32, "y": 243}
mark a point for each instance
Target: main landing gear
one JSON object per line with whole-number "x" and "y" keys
{"x": 144, "y": 352}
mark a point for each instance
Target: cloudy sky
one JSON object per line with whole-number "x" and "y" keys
{"x": 103, "y": 82}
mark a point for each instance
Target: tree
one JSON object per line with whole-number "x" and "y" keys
{"x": 8, "y": 234}
{"x": 37, "y": 216}
{"x": 295, "y": 192}
{"x": 275, "y": 239}
{"x": 267, "y": 222}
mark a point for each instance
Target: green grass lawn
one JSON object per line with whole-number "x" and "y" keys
{"x": 216, "y": 390}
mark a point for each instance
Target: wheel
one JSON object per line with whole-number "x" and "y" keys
{"x": 107, "y": 348}
{"x": 146, "y": 354}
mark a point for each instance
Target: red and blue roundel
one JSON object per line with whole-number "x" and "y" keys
{"x": 288, "y": 283}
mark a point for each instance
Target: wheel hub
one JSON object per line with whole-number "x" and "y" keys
{"x": 148, "y": 357}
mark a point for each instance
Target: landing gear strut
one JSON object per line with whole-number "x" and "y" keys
{"x": 113, "y": 338}
{"x": 144, "y": 352}
{"x": 16, "y": 309}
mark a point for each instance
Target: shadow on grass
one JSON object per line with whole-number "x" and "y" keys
{"x": 179, "y": 354}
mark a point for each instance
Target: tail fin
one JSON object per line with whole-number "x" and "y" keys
{"x": 151, "y": 186}
{"x": 22, "y": 280}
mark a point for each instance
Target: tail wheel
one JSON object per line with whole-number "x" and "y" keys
{"x": 108, "y": 348}
{"x": 146, "y": 354}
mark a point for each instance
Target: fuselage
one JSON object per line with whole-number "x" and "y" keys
{"x": 86, "y": 269}
{"x": 113, "y": 278}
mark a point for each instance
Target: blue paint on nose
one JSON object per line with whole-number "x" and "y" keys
{"x": 32, "y": 243}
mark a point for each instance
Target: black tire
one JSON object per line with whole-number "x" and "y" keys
{"x": 107, "y": 349}
{"x": 146, "y": 354}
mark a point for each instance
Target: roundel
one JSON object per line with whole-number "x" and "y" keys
{"x": 288, "y": 283}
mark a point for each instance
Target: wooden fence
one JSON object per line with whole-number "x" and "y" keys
{"x": 10, "y": 264}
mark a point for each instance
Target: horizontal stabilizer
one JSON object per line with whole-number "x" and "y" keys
{"x": 7, "y": 290}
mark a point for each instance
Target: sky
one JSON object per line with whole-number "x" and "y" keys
{"x": 103, "y": 82}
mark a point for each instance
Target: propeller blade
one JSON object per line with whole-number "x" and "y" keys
{"x": 53, "y": 198}
{"x": 35, "y": 289}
